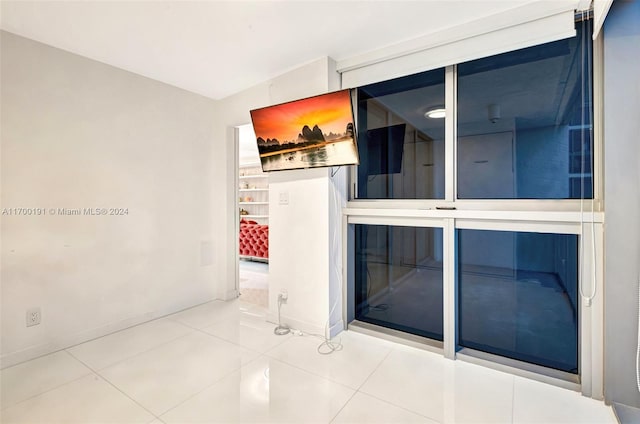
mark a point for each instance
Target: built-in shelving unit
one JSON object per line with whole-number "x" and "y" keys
{"x": 253, "y": 194}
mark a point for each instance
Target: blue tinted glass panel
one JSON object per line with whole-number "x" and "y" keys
{"x": 525, "y": 122}
{"x": 518, "y": 296}
{"x": 401, "y": 151}
{"x": 398, "y": 273}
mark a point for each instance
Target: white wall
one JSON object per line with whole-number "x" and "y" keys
{"x": 80, "y": 134}
{"x": 299, "y": 233}
{"x": 299, "y": 246}
{"x": 622, "y": 200}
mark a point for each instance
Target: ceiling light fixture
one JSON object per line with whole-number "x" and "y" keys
{"x": 435, "y": 113}
{"x": 493, "y": 111}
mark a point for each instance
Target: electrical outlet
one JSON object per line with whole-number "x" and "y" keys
{"x": 34, "y": 316}
{"x": 284, "y": 295}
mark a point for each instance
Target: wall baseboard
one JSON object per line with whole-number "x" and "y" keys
{"x": 296, "y": 324}
{"x": 33, "y": 352}
{"x": 230, "y": 294}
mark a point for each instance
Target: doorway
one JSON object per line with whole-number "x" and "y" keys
{"x": 253, "y": 217}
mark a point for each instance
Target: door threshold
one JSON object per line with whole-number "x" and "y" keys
{"x": 396, "y": 336}
{"x": 510, "y": 366}
{"x": 522, "y": 369}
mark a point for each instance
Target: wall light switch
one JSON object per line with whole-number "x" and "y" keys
{"x": 283, "y": 198}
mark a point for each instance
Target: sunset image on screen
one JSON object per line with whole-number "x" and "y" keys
{"x": 312, "y": 132}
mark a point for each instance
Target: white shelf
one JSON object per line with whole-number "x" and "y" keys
{"x": 257, "y": 203}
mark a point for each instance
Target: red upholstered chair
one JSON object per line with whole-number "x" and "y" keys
{"x": 254, "y": 239}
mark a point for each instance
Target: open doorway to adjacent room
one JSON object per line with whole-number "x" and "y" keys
{"x": 253, "y": 215}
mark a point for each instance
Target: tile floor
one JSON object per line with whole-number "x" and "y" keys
{"x": 254, "y": 282}
{"x": 221, "y": 363}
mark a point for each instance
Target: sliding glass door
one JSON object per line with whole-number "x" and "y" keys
{"x": 398, "y": 278}
{"x": 475, "y": 210}
{"x": 518, "y": 296}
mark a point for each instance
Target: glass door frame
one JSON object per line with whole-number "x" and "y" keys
{"x": 567, "y": 216}
{"x": 591, "y": 318}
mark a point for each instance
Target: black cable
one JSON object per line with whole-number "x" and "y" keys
{"x": 380, "y": 306}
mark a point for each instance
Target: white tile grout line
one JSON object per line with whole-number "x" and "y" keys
{"x": 90, "y": 369}
{"x": 167, "y": 317}
{"x": 209, "y": 386}
{"x": 120, "y": 331}
{"x": 202, "y": 330}
{"x": 343, "y": 406}
{"x": 387, "y": 400}
{"x": 209, "y": 324}
{"x": 89, "y": 372}
{"x": 375, "y": 369}
{"x": 307, "y": 371}
{"x": 100, "y": 376}
{"x": 224, "y": 375}
{"x": 357, "y": 390}
{"x": 97, "y": 370}
{"x": 267, "y": 353}
{"x": 66, "y": 349}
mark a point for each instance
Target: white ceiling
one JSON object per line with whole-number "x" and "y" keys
{"x": 218, "y": 48}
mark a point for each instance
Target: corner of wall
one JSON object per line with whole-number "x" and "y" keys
{"x": 78, "y": 135}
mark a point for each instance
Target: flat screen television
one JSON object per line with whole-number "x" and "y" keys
{"x": 308, "y": 133}
{"x": 384, "y": 150}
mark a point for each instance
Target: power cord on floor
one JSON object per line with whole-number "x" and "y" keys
{"x": 327, "y": 347}
{"x": 380, "y": 307}
{"x": 330, "y": 345}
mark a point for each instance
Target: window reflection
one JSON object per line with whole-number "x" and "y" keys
{"x": 401, "y": 150}
{"x": 518, "y": 296}
{"x": 399, "y": 278}
{"x": 525, "y": 123}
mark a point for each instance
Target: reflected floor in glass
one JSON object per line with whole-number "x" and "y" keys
{"x": 411, "y": 303}
{"x": 528, "y": 317}
{"x": 221, "y": 363}
{"x": 398, "y": 278}
{"x": 518, "y": 296}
